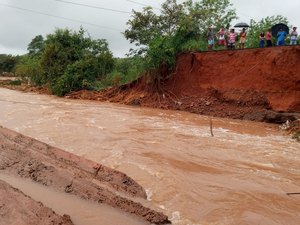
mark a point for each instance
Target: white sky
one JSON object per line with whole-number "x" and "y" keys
{"x": 19, "y": 27}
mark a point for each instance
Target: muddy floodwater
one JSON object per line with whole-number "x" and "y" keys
{"x": 81, "y": 211}
{"x": 240, "y": 176}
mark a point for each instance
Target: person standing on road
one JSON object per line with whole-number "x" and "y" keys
{"x": 294, "y": 36}
{"x": 262, "y": 40}
{"x": 281, "y": 35}
{"x": 243, "y": 35}
{"x": 221, "y": 38}
{"x": 210, "y": 38}
{"x": 231, "y": 39}
{"x": 269, "y": 38}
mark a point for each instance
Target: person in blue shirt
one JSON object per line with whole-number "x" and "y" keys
{"x": 281, "y": 37}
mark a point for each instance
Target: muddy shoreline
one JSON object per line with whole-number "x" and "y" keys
{"x": 25, "y": 209}
{"x": 207, "y": 102}
{"x": 52, "y": 167}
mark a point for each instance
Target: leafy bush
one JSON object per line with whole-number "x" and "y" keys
{"x": 193, "y": 45}
{"x": 8, "y": 63}
{"x": 15, "y": 82}
{"x": 125, "y": 70}
{"x": 161, "y": 51}
{"x": 66, "y": 61}
{"x": 79, "y": 75}
{"x": 30, "y": 69}
{"x": 296, "y": 135}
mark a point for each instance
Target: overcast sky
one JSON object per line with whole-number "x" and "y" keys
{"x": 19, "y": 25}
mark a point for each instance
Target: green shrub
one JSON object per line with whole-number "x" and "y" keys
{"x": 30, "y": 70}
{"x": 161, "y": 51}
{"x": 15, "y": 82}
{"x": 79, "y": 75}
{"x": 296, "y": 135}
{"x": 8, "y": 63}
{"x": 66, "y": 61}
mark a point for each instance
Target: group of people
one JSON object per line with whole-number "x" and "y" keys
{"x": 228, "y": 40}
{"x": 281, "y": 36}
{"x": 267, "y": 39}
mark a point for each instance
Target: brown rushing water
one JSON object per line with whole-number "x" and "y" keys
{"x": 240, "y": 176}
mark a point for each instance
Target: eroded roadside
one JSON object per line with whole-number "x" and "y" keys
{"x": 28, "y": 158}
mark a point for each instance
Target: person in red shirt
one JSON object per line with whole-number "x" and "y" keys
{"x": 269, "y": 38}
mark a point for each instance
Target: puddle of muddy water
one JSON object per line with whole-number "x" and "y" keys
{"x": 81, "y": 211}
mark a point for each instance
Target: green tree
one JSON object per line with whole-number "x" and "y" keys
{"x": 206, "y": 13}
{"x": 142, "y": 28}
{"x": 69, "y": 58}
{"x": 66, "y": 61}
{"x": 262, "y": 26}
{"x": 8, "y": 63}
{"x": 189, "y": 16}
{"x": 179, "y": 27}
{"x": 36, "y": 45}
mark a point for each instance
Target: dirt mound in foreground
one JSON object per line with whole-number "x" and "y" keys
{"x": 28, "y": 158}
{"x": 252, "y": 84}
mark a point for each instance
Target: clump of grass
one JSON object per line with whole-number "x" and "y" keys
{"x": 15, "y": 82}
{"x": 296, "y": 135}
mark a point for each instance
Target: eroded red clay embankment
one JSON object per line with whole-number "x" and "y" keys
{"x": 268, "y": 76}
{"x": 253, "y": 84}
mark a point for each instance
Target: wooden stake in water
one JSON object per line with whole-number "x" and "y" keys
{"x": 211, "y": 127}
{"x": 295, "y": 193}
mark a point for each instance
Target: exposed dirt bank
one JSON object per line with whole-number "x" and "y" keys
{"x": 6, "y": 83}
{"x": 28, "y": 158}
{"x": 25, "y": 210}
{"x": 252, "y": 84}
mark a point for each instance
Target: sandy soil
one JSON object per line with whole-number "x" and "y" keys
{"x": 28, "y": 158}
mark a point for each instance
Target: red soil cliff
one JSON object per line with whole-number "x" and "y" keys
{"x": 273, "y": 73}
{"x": 253, "y": 84}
